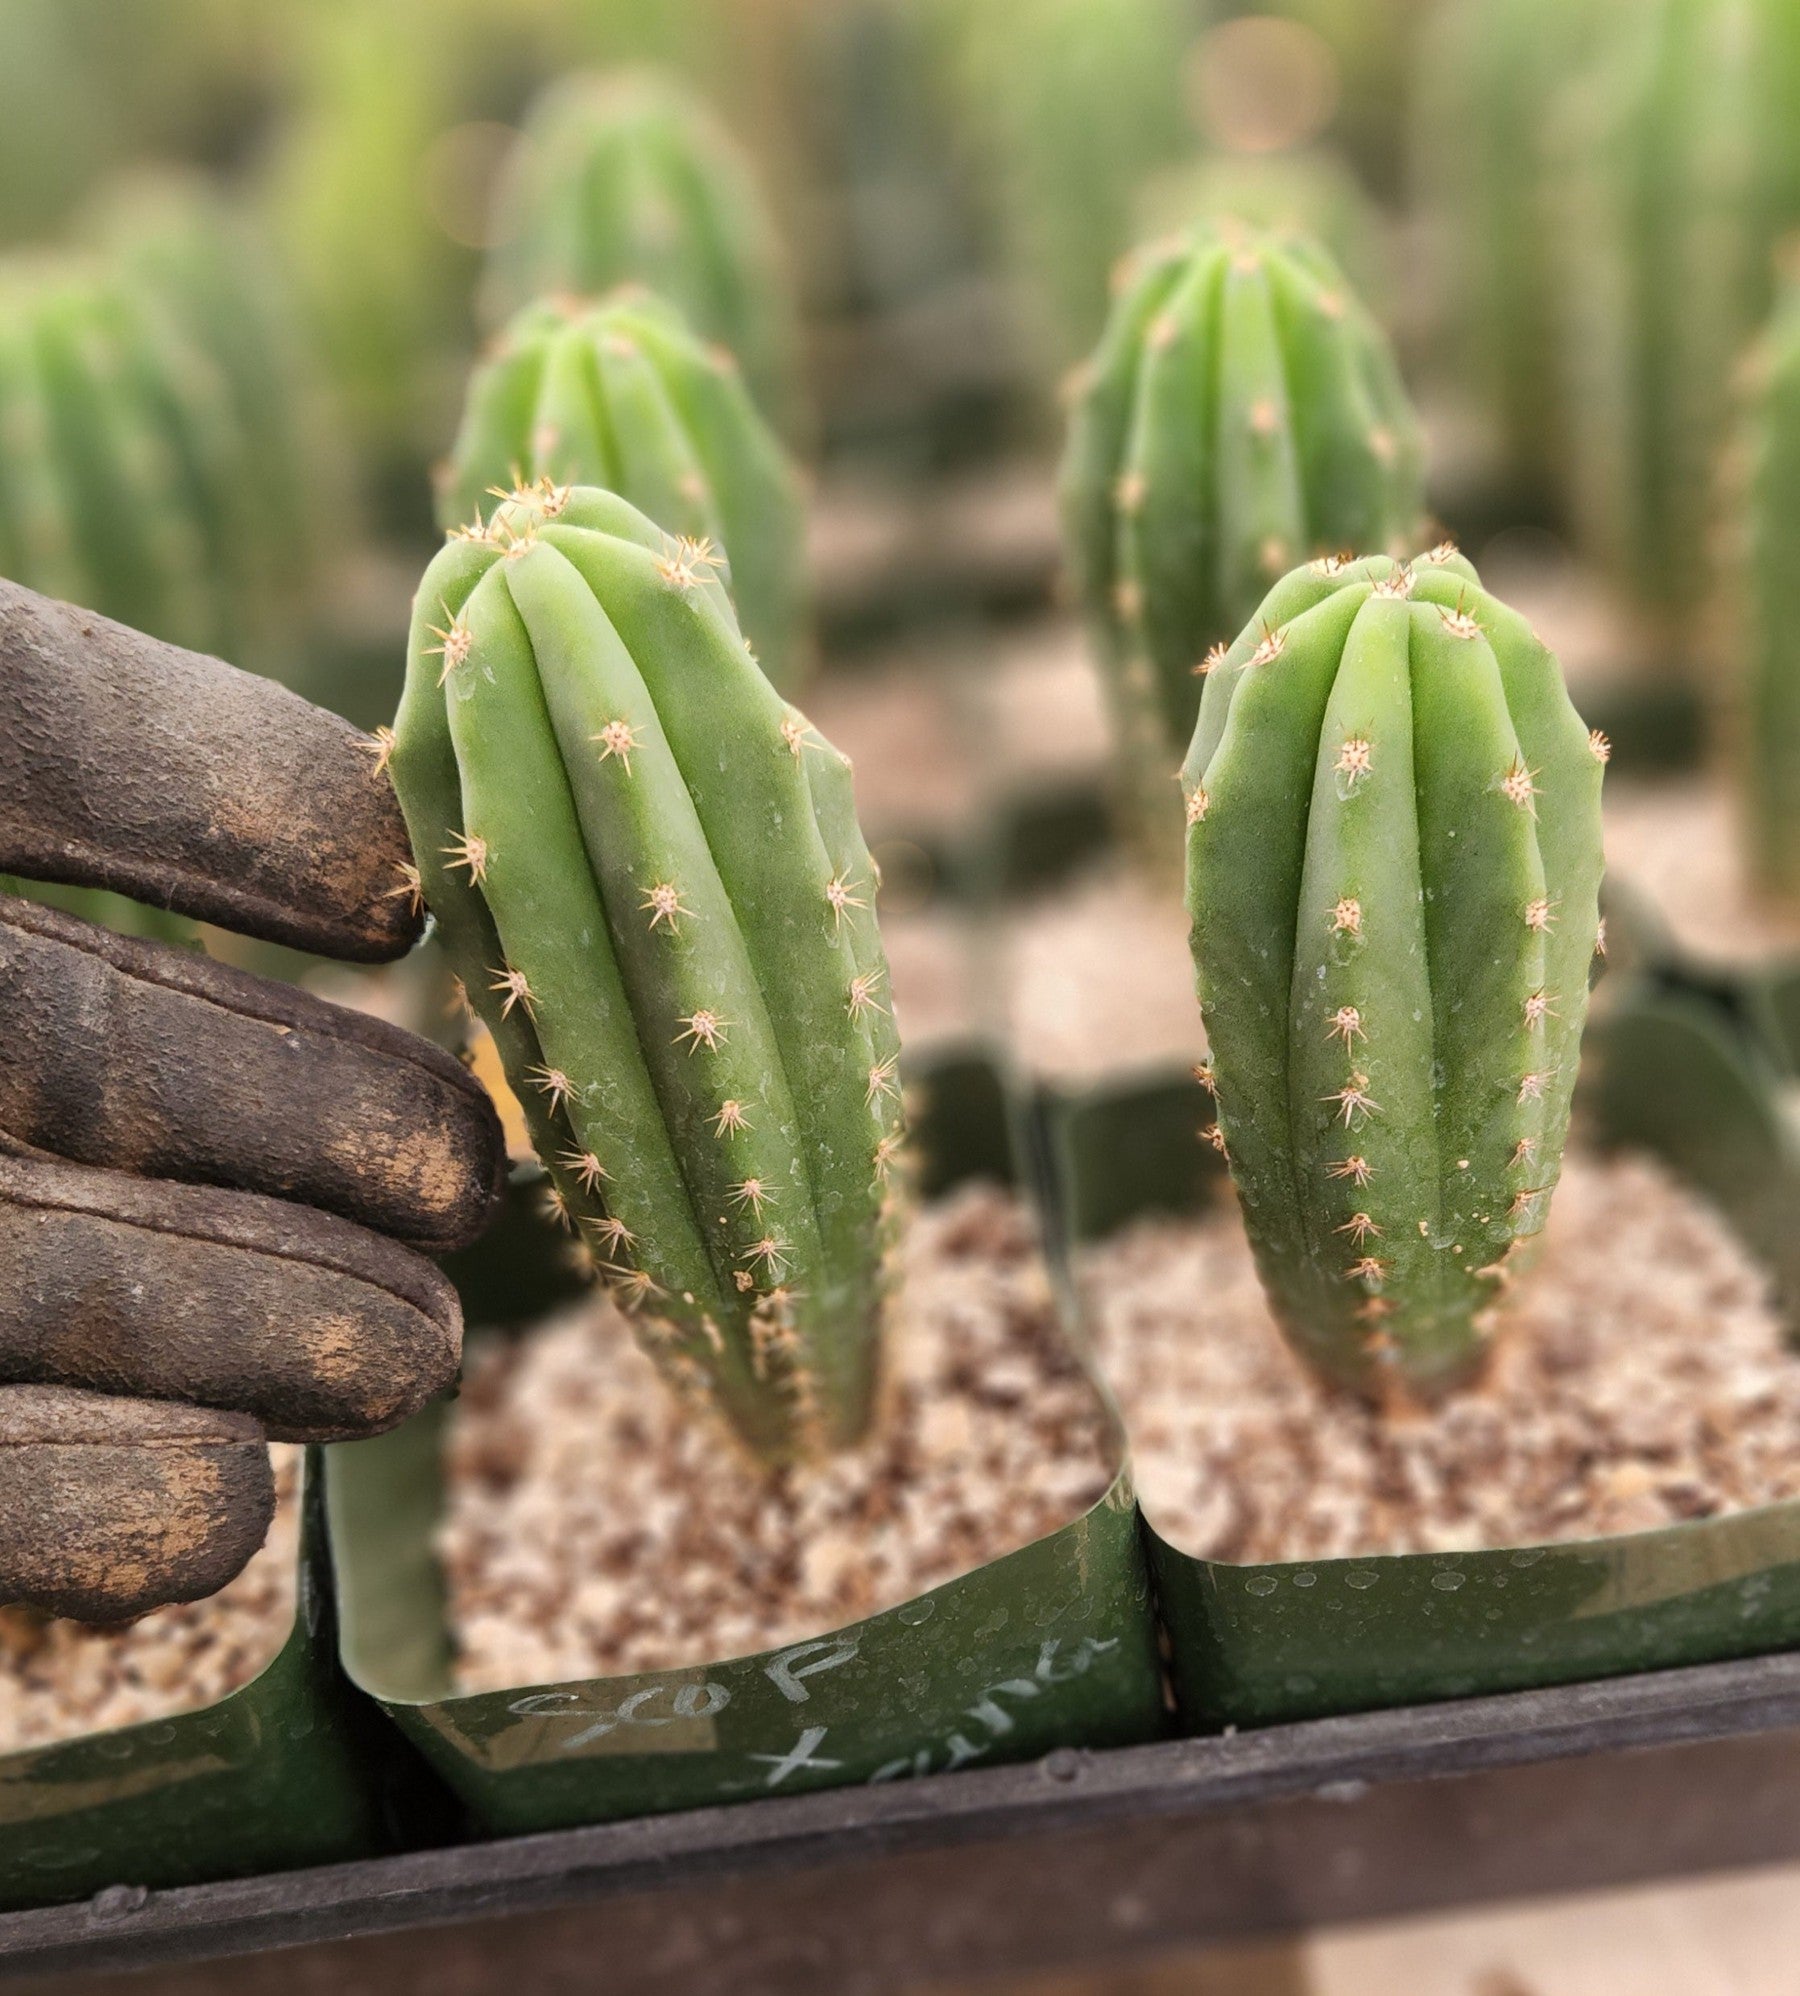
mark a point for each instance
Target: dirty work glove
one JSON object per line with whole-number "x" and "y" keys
{"x": 214, "y": 1190}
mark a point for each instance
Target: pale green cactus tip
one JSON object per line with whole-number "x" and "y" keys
{"x": 646, "y": 868}
{"x": 1394, "y": 864}
{"x": 621, "y": 394}
{"x": 1242, "y": 412}
{"x": 628, "y": 177}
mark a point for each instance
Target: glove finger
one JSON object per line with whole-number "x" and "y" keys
{"x": 141, "y": 1057}
{"x": 320, "y": 1329}
{"x": 109, "y": 1508}
{"x": 131, "y": 764}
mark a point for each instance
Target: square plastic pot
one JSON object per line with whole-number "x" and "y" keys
{"x": 1052, "y": 1645}
{"x": 1258, "y": 1645}
{"x": 290, "y": 1770}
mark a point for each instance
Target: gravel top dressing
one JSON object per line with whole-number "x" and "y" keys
{"x": 59, "y": 1680}
{"x": 1640, "y": 1378}
{"x": 594, "y": 1527}
{"x": 1679, "y": 845}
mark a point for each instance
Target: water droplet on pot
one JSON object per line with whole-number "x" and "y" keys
{"x": 1307, "y": 1579}
{"x": 1361, "y": 1576}
{"x": 1528, "y": 1558}
{"x": 112, "y": 1902}
{"x": 1448, "y": 1583}
{"x": 1062, "y": 1764}
{"x": 915, "y": 1612}
{"x": 1261, "y": 1583}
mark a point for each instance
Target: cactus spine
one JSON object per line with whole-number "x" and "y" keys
{"x": 627, "y": 178}
{"x": 647, "y": 870}
{"x": 621, "y": 395}
{"x": 1687, "y": 183}
{"x": 1769, "y": 762}
{"x": 1393, "y": 874}
{"x": 1242, "y": 412}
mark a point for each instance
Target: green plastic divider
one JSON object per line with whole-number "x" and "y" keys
{"x": 1052, "y": 1645}
{"x": 1273, "y": 1643}
{"x": 290, "y": 1770}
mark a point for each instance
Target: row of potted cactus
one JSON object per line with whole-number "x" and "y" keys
{"x": 644, "y": 866}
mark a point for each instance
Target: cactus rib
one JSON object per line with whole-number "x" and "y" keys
{"x": 1241, "y": 413}
{"x": 622, "y": 395}
{"x": 1393, "y": 875}
{"x": 645, "y": 866}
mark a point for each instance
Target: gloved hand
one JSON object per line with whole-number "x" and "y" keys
{"x": 213, "y": 1189}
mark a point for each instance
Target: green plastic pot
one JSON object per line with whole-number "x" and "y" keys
{"x": 1754, "y": 1002}
{"x": 1267, "y": 1644}
{"x": 1052, "y": 1645}
{"x": 288, "y": 1771}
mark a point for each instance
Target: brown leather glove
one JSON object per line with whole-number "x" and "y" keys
{"x": 214, "y": 1190}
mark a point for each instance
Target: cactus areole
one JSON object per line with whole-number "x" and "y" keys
{"x": 1242, "y": 413}
{"x": 1393, "y": 872}
{"x": 647, "y": 870}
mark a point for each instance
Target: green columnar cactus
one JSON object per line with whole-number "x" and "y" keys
{"x": 1688, "y": 150}
{"x": 1310, "y": 193}
{"x": 627, "y": 178}
{"x": 1068, "y": 105}
{"x": 200, "y": 261}
{"x": 1491, "y": 76}
{"x": 117, "y": 453}
{"x": 382, "y": 284}
{"x": 1769, "y": 750}
{"x": 1393, "y": 872}
{"x": 621, "y": 395}
{"x": 1242, "y": 412}
{"x": 646, "y": 867}
{"x": 202, "y": 272}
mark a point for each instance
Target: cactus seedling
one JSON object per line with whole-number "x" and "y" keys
{"x": 1393, "y": 873}
{"x": 628, "y": 178}
{"x": 647, "y": 870}
{"x": 1242, "y": 412}
{"x": 621, "y": 395}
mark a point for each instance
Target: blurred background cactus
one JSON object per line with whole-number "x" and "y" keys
{"x": 1492, "y": 186}
{"x": 1310, "y": 193}
{"x": 1065, "y": 107}
{"x": 205, "y": 272}
{"x": 622, "y": 395}
{"x": 1393, "y": 871}
{"x": 693, "y": 1008}
{"x": 627, "y": 178}
{"x": 1242, "y": 413}
{"x": 1682, "y": 154}
{"x": 917, "y": 208}
{"x": 1769, "y": 721}
{"x": 130, "y": 484}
